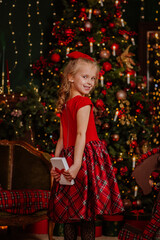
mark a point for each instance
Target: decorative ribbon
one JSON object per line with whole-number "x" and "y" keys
{"x": 59, "y": 171}
{"x": 137, "y": 212}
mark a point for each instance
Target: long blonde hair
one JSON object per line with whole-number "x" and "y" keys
{"x": 71, "y": 69}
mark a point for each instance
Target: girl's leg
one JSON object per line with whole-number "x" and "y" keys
{"x": 70, "y": 231}
{"x": 88, "y": 230}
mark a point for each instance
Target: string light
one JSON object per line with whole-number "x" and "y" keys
{"x": 157, "y": 12}
{"x": 10, "y": 21}
{"x": 142, "y": 9}
{"x": 41, "y": 29}
{"x": 123, "y": 6}
{"x": 29, "y": 39}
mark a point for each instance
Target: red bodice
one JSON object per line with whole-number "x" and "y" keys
{"x": 69, "y": 121}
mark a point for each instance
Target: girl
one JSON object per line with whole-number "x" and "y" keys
{"x": 95, "y": 191}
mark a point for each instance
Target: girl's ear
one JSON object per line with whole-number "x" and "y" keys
{"x": 70, "y": 78}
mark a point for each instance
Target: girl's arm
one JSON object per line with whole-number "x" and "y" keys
{"x": 58, "y": 150}
{"x": 82, "y": 124}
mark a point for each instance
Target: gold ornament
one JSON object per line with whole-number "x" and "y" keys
{"x": 125, "y": 58}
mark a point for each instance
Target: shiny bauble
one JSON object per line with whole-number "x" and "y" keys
{"x": 79, "y": 44}
{"x": 132, "y": 84}
{"x": 83, "y": 9}
{"x": 55, "y": 57}
{"x": 103, "y": 30}
{"x": 111, "y": 25}
{"x": 133, "y": 144}
{"x": 115, "y": 137}
{"x": 121, "y": 95}
{"x": 106, "y": 126}
{"x": 88, "y": 25}
{"x": 96, "y": 12}
{"x": 139, "y": 202}
{"x": 105, "y": 53}
{"x": 127, "y": 203}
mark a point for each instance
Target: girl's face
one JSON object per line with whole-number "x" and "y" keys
{"x": 84, "y": 80}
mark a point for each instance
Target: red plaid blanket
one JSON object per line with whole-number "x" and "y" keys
{"x": 23, "y": 201}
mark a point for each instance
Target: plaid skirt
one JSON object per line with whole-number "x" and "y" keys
{"x": 95, "y": 191}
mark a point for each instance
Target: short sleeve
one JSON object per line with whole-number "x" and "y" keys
{"x": 81, "y": 102}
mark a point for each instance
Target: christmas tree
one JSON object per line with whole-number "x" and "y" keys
{"x": 123, "y": 112}
{"x": 121, "y": 100}
{"x": 153, "y": 70}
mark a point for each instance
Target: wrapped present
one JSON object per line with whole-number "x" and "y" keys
{"x": 137, "y": 219}
{"x": 112, "y": 224}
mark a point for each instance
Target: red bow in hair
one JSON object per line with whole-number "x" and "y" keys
{"x": 77, "y": 54}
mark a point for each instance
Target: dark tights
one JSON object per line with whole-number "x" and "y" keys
{"x": 87, "y": 230}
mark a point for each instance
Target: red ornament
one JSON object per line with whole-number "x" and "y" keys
{"x": 107, "y": 66}
{"x": 111, "y": 25}
{"x": 55, "y": 57}
{"x": 133, "y": 144}
{"x": 104, "y": 92}
{"x": 83, "y": 9}
{"x": 115, "y": 170}
{"x": 100, "y": 104}
{"x": 56, "y": 69}
{"x": 103, "y": 30}
{"x": 132, "y": 84}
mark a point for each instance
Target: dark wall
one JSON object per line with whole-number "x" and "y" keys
{"x": 20, "y": 75}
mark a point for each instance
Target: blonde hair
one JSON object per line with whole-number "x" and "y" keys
{"x": 71, "y": 69}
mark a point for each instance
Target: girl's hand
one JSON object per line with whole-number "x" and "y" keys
{"x": 55, "y": 175}
{"x": 71, "y": 173}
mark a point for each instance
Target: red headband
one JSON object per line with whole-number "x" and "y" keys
{"x": 77, "y": 54}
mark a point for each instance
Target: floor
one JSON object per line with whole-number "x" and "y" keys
{"x": 19, "y": 234}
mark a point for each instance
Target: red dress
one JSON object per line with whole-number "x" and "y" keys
{"x": 95, "y": 191}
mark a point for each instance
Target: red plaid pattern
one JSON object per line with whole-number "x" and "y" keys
{"x": 23, "y": 201}
{"x": 126, "y": 234}
{"x": 95, "y": 191}
{"x": 154, "y": 225}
